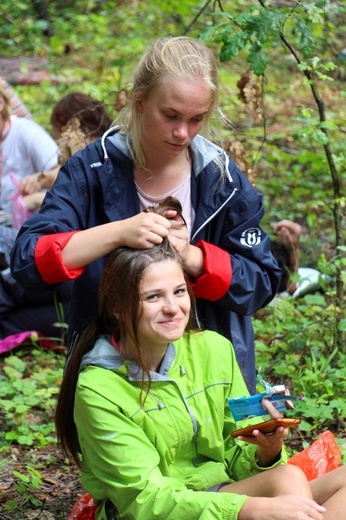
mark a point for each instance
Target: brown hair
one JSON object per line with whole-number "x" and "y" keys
{"x": 283, "y": 258}
{"x": 119, "y": 302}
{"x": 91, "y": 113}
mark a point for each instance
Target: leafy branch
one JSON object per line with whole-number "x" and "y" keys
{"x": 254, "y": 31}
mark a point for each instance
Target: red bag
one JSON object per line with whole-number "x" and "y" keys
{"x": 84, "y": 509}
{"x": 322, "y": 456}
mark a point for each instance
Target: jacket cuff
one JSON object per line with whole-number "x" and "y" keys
{"x": 281, "y": 461}
{"x": 216, "y": 279}
{"x": 49, "y": 260}
{"x": 234, "y": 505}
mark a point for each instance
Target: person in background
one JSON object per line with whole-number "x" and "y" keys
{"x": 17, "y": 106}
{"x": 22, "y": 310}
{"x": 286, "y": 248}
{"x": 91, "y": 113}
{"x": 143, "y": 402}
{"x": 77, "y": 119}
{"x": 156, "y": 149}
{"x": 25, "y": 148}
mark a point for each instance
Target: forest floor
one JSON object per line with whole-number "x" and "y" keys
{"x": 57, "y": 494}
{"x": 36, "y": 482}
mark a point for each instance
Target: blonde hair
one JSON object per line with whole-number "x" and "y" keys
{"x": 7, "y": 108}
{"x": 182, "y": 58}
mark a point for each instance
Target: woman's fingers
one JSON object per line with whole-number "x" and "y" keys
{"x": 275, "y": 414}
{"x": 145, "y": 230}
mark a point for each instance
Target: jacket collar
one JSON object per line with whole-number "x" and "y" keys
{"x": 203, "y": 151}
{"x": 104, "y": 355}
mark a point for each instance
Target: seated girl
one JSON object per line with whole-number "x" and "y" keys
{"x": 143, "y": 411}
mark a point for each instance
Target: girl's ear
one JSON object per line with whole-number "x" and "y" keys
{"x": 139, "y": 106}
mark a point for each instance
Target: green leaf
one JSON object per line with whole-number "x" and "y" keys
{"x": 258, "y": 60}
{"x": 342, "y": 323}
{"x": 232, "y": 46}
{"x": 315, "y": 13}
{"x": 320, "y": 136}
{"x": 329, "y": 124}
{"x": 305, "y": 426}
{"x": 306, "y": 42}
{"x": 17, "y": 363}
{"x": 22, "y": 477}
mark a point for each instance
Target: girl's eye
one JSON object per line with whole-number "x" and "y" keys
{"x": 197, "y": 119}
{"x": 152, "y": 297}
{"x": 180, "y": 291}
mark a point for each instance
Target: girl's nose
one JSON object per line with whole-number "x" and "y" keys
{"x": 180, "y": 131}
{"x": 170, "y": 305}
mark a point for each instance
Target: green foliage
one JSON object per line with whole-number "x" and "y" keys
{"x": 251, "y": 29}
{"x": 28, "y": 391}
{"x": 260, "y": 27}
{"x": 295, "y": 345}
{"x": 26, "y": 485}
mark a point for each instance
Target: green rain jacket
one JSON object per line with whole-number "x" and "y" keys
{"x": 158, "y": 461}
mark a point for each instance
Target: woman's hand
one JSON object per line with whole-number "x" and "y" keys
{"x": 290, "y": 232}
{"x": 33, "y": 201}
{"x": 30, "y": 184}
{"x": 286, "y": 507}
{"x": 178, "y": 235}
{"x": 190, "y": 256}
{"x": 38, "y": 181}
{"x": 144, "y": 230}
{"x": 269, "y": 446}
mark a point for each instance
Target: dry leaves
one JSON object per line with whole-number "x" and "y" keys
{"x": 71, "y": 140}
{"x": 237, "y": 151}
{"x": 250, "y": 94}
{"x": 121, "y": 99}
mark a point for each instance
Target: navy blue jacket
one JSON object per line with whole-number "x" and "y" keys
{"x": 93, "y": 189}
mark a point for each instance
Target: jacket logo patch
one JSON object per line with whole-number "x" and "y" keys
{"x": 251, "y": 237}
{"x": 95, "y": 165}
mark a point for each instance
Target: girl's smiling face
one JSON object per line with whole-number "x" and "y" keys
{"x": 166, "y": 305}
{"x": 172, "y": 115}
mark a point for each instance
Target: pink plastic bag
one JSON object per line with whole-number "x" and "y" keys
{"x": 14, "y": 340}
{"x": 322, "y": 456}
{"x": 18, "y": 339}
{"x": 19, "y": 211}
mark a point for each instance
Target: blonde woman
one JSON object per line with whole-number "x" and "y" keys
{"x": 156, "y": 149}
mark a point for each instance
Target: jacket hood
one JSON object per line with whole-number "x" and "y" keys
{"x": 104, "y": 355}
{"x": 203, "y": 151}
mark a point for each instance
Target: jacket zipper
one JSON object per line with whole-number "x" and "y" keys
{"x": 215, "y": 213}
